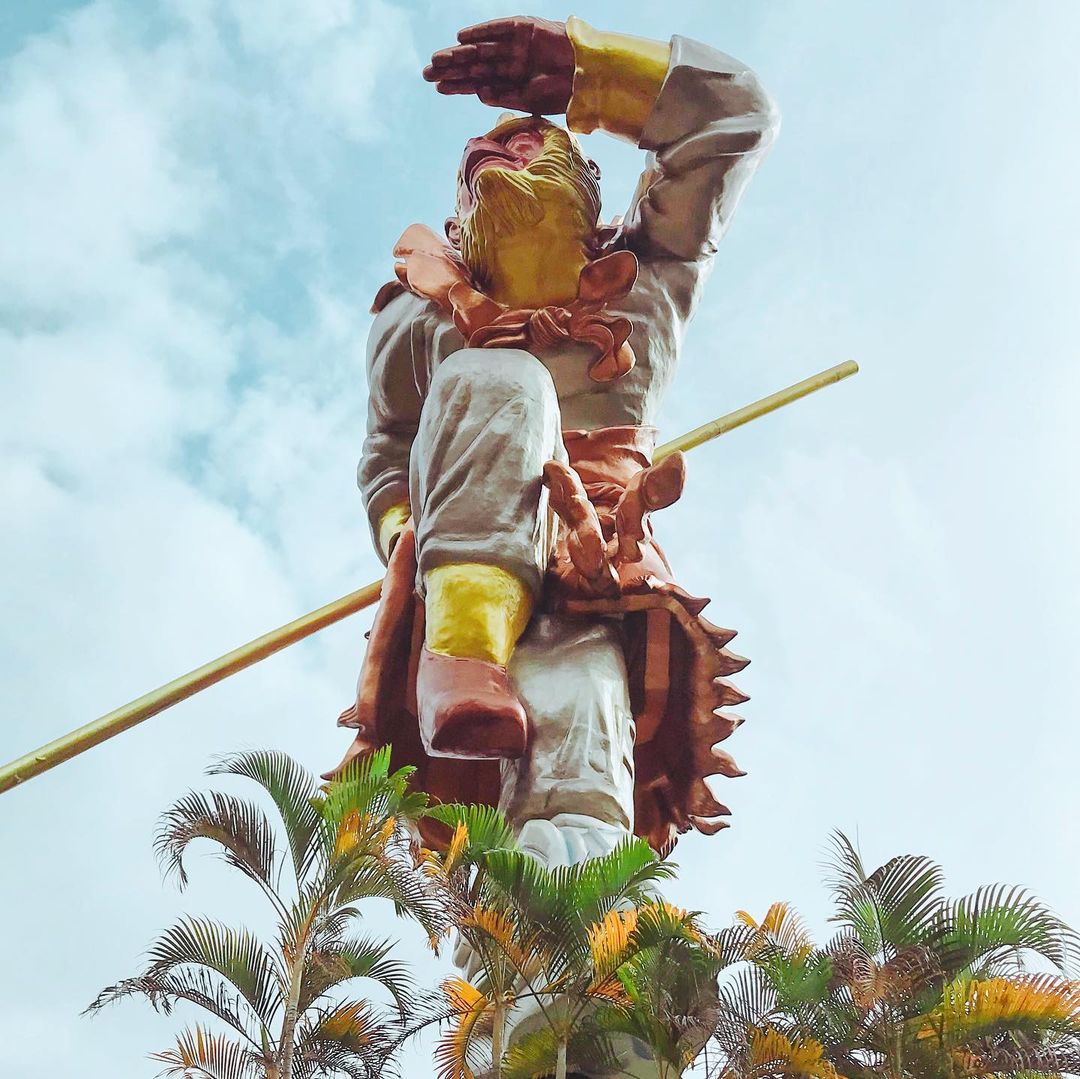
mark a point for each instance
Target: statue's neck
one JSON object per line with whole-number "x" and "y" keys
{"x": 536, "y": 268}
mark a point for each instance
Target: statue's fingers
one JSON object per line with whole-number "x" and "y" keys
{"x": 632, "y": 529}
{"x": 588, "y": 552}
{"x": 663, "y": 483}
{"x": 464, "y": 55}
{"x": 458, "y": 86}
{"x": 483, "y": 72}
{"x": 566, "y": 496}
{"x": 492, "y": 30}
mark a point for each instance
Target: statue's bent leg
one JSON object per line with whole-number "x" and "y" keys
{"x": 489, "y": 424}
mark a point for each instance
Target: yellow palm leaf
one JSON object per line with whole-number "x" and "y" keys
{"x": 611, "y": 989}
{"x": 386, "y": 832}
{"x": 783, "y": 926}
{"x": 348, "y": 834}
{"x": 499, "y": 928}
{"x": 1032, "y": 999}
{"x": 349, "y": 1021}
{"x": 458, "y": 845}
{"x": 610, "y": 937}
{"x": 473, "y": 1010}
{"x": 772, "y": 1052}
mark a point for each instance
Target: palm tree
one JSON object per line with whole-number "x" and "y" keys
{"x": 537, "y": 937}
{"x": 912, "y": 986}
{"x": 285, "y": 1005}
{"x": 664, "y": 968}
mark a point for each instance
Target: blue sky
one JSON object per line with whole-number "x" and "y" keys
{"x": 198, "y": 199}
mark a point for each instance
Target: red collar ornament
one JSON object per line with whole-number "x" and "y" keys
{"x": 430, "y": 268}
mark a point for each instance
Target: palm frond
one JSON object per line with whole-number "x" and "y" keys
{"x": 626, "y": 874}
{"x": 782, "y": 928}
{"x": 1034, "y": 1003}
{"x": 239, "y": 827}
{"x": 235, "y": 954}
{"x": 771, "y": 1052}
{"x": 508, "y": 948}
{"x": 748, "y": 998}
{"x": 328, "y": 967}
{"x": 1029, "y": 1062}
{"x": 909, "y": 894}
{"x": 291, "y": 788}
{"x": 391, "y": 878}
{"x": 997, "y": 924}
{"x": 856, "y": 906}
{"x": 200, "y": 1054}
{"x": 321, "y": 1060}
{"x": 892, "y": 908}
{"x": 349, "y": 1037}
{"x": 367, "y": 788}
{"x": 533, "y": 1055}
{"x": 464, "y": 1047}
{"x": 196, "y": 987}
{"x": 526, "y": 884}
{"x": 482, "y": 828}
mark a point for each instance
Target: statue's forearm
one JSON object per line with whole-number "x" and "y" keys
{"x": 617, "y": 80}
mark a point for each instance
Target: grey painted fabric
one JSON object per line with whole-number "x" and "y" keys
{"x": 578, "y": 771}
{"x": 490, "y": 424}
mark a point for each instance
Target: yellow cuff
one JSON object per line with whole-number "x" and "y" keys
{"x": 617, "y": 79}
{"x": 475, "y": 611}
{"x": 390, "y": 525}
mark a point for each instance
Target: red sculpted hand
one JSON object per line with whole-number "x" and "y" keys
{"x": 518, "y": 63}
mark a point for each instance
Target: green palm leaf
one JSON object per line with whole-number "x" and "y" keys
{"x": 236, "y": 955}
{"x": 331, "y": 966}
{"x": 626, "y": 875}
{"x": 195, "y": 986}
{"x": 367, "y": 786}
{"x": 292, "y": 790}
{"x": 486, "y": 828}
{"x": 997, "y": 924}
{"x": 239, "y": 827}
{"x": 891, "y": 908}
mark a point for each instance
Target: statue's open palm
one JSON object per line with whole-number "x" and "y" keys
{"x": 520, "y": 63}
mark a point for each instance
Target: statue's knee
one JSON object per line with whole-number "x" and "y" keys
{"x": 500, "y": 373}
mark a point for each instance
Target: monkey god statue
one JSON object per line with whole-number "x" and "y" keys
{"x": 532, "y": 649}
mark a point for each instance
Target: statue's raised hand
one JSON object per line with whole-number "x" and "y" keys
{"x": 520, "y": 63}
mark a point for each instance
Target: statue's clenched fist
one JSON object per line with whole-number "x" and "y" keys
{"x": 520, "y": 63}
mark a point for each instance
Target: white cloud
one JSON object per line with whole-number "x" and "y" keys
{"x": 176, "y": 458}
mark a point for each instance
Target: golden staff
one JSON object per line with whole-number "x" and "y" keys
{"x": 187, "y": 685}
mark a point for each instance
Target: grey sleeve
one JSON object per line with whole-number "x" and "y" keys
{"x": 394, "y": 403}
{"x": 706, "y": 134}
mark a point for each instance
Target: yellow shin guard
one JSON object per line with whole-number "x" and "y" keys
{"x": 475, "y": 611}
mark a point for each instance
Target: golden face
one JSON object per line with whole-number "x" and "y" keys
{"x": 527, "y": 177}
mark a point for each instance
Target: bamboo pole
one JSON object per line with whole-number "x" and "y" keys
{"x": 187, "y": 685}
{"x": 715, "y": 428}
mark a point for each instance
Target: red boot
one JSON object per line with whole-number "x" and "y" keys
{"x": 467, "y": 708}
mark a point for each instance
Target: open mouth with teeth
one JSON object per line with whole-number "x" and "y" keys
{"x": 513, "y": 148}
